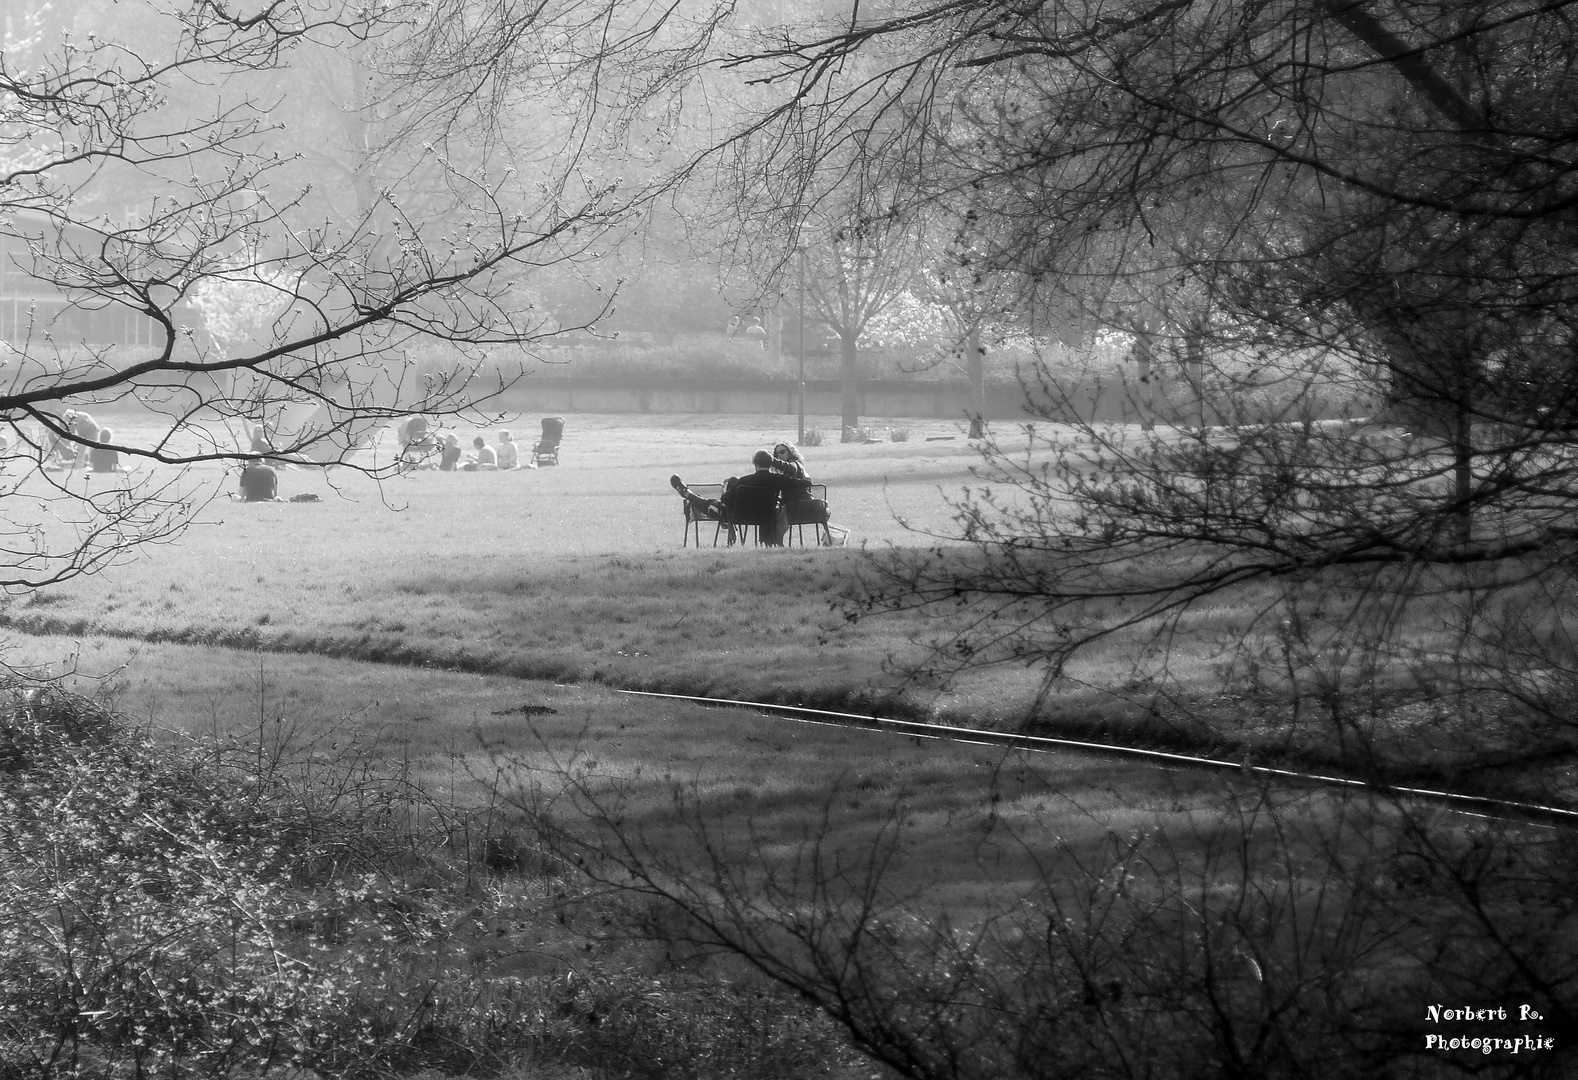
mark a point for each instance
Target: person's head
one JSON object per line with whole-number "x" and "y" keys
{"x": 254, "y": 461}
{"x": 257, "y": 431}
{"x": 505, "y": 436}
{"x": 479, "y": 442}
{"x": 784, "y": 452}
{"x": 105, "y": 434}
{"x": 451, "y": 440}
{"x": 762, "y": 460}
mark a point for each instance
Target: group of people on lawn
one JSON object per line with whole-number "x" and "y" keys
{"x": 259, "y": 482}
{"x": 782, "y": 473}
{"x": 422, "y": 448}
{"x": 58, "y": 452}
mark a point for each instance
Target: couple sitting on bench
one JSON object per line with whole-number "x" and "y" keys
{"x": 781, "y": 476}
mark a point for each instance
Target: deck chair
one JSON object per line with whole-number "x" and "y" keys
{"x": 747, "y": 509}
{"x": 693, "y": 519}
{"x": 546, "y": 452}
{"x": 812, "y": 511}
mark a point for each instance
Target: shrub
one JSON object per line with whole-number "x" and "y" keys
{"x": 285, "y": 903}
{"x": 899, "y": 434}
{"x": 813, "y": 437}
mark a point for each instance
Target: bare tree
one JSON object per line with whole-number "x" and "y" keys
{"x": 1350, "y": 234}
{"x": 1352, "y": 229}
{"x": 978, "y": 294}
{"x": 172, "y": 246}
{"x": 853, "y": 273}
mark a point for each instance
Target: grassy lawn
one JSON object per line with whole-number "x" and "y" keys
{"x": 965, "y": 810}
{"x": 575, "y": 574}
{"x": 570, "y": 573}
{"x": 513, "y": 605}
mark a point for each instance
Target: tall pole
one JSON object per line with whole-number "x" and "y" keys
{"x": 800, "y": 440}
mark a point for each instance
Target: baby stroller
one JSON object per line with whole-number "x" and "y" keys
{"x": 546, "y": 452}
{"x": 418, "y": 443}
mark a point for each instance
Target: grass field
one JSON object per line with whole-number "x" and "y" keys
{"x": 469, "y": 632}
{"x": 486, "y": 589}
{"x": 576, "y": 574}
{"x": 966, "y": 810}
{"x": 569, "y": 573}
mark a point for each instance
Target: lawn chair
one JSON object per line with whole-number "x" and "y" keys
{"x": 750, "y": 508}
{"x": 812, "y": 511}
{"x": 693, "y": 517}
{"x": 546, "y": 452}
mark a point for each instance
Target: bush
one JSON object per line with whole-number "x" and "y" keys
{"x": 228, "y": 910}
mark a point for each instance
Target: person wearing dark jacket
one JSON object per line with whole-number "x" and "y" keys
{"x": 259, "y": 483}
{"x": 800, "y": 507}
{"x": 765, "y": 478}
{"x": 101, "y": 460}
{"x": 787, "y": 460}
{"x": 768, "y": 478}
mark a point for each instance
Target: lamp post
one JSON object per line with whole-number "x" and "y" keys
{"x": 800, "y": 439}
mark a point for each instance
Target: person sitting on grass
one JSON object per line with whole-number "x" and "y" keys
{"x": 86, "y": 429}
{"x": 449, "y": 457}
{"x": 259, "y": 483}
{"x": 103, "y": 459}
{"x": 484, "y": 458}
{"x": 508, "y": 456}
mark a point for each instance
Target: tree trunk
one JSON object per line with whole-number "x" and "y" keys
{"x": 1145, "y": 369}
{"x": 851, "y": 373}
{"x": 1463, "y": 474}
{"x": 1194, "y": 369}
{"x": 975, "y": 368}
